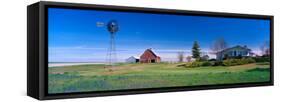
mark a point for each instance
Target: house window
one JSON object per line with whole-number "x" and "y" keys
{"x": 245, "y": 53}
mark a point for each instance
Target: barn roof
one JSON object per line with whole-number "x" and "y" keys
{"x": 150, "y": 51}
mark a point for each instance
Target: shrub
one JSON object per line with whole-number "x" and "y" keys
{"x": 198, "y": 64}
{"x": 262, "y": 59}
{"x": 181, "y": 65}
{"x": 207, "y": 63}
{"x": 217, "y": 63}
{"x": 233, "y": 62}
{"x": 193, "y": 64}
{"x": 229, "y": 62}
{"x": 249, "y": 60}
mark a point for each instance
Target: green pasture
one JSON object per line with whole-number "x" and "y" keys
{"x": 83, "y": 78}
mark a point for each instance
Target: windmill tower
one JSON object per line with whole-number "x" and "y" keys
{"x": 112, "y": 27}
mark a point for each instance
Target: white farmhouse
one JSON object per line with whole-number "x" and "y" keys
{"x": 234, "y": 52}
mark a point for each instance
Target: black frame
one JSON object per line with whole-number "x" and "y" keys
{"x": 37, "y": 79}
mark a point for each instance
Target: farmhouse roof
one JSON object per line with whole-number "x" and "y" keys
{"x": 238, "y": 46}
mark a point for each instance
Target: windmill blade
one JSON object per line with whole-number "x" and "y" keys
{"x": 100, "y": 24}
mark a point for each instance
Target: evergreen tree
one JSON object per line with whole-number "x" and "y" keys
{"x": 196, "y": 50}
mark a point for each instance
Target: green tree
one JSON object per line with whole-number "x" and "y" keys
{"x": 196, "y": 50}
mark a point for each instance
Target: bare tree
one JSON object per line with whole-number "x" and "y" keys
{"x": 180, "y": 56}
{"x": 265, "y": 48}
{"x": 188, "y": 58}
{"x": 218, "y": 45}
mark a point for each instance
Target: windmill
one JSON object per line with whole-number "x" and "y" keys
{"x": 112, "y": 27}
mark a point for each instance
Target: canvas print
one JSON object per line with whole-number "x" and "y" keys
{"x": 95, "y": 50}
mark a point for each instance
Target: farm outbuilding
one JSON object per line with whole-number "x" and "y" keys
{"x": 149, "y": 57}
{"x": 132, "y": 59}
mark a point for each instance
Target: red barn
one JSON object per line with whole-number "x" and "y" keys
{"x": 149, "y": 57}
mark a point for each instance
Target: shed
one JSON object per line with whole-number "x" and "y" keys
{"x": 132, "y": 59}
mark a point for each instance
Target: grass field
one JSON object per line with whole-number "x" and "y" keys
{"x": 83, "y": 78}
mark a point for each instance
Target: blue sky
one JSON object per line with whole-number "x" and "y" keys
{"x": 75, "y": 37}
